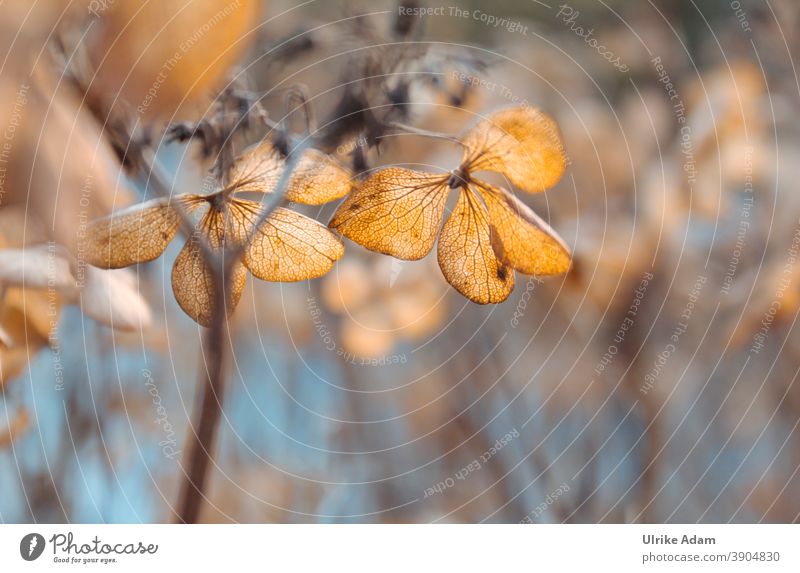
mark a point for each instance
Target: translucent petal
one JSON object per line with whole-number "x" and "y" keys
{"x": 466, "y": 256}
{"x": 523, "y": 143}
{"x": 317, "y": 178}
{"x": 395, "y": 211}
{"x": 520, "y": 238}
{"x": 134, "y": 235}
{"x": 287, "y": 246}
{"x": 192, "y": 279}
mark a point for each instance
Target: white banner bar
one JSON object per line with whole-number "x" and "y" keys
{"x": 389, "y": 548}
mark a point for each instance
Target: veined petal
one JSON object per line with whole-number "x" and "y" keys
{"x": 287, "y": 246}
{"x": 466, "y": 257}
{"x": 137, "y": 234}
{"x": 395, "y": 211}
{"x": 522, "y": 143}
{"x": 193, "y": 281}
{"x": 520, "y": 238}
{"x": 317, "y": 178}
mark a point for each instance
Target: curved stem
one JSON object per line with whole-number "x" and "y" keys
{"x": 299, "y": 93}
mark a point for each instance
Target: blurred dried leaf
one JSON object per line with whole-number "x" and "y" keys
{"x": 5, "y": 338}
{"x": 110, "y": 297}
{"x": 13, "y": 362}
{"x": 16, "y": 426}
{"x": 65, "y": 171}
{"x": 27, "y": 318}
{"x": 35, "y": 267}
{"x": 164, "y": 58}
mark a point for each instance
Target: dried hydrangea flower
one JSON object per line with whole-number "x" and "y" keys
{"x": 490, "y": 233}
{"x": 286, "y": 246}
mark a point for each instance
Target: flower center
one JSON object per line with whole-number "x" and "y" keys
{"x": 458, "y": 178}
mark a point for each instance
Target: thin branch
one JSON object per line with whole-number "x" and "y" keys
{"x": 425, "y": 132}
{"x": 155, "y": 180}
{"x": 221, "y": 264}
{"x": 212, "y": 382}
{"x": 207, "y": 418}
{"x": 272, "y": 200}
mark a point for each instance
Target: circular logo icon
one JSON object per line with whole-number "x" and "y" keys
{"x": 31, "y": 546}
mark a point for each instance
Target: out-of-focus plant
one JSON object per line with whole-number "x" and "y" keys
{"x": 382, "y": 304}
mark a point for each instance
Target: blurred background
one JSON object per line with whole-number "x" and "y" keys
{"x": 655, "y": 382}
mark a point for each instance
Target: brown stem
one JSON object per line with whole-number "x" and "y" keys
{"x": 207, "y": 416}
{"x": 221, "y": 265}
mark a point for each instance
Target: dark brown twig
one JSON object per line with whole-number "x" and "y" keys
{"x": 207, "y": 417}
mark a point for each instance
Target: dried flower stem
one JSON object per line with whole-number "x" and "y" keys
{"x": 208, "y": 415}
{"x": 425, "y": 133}
{"x": 221, "y": 265}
